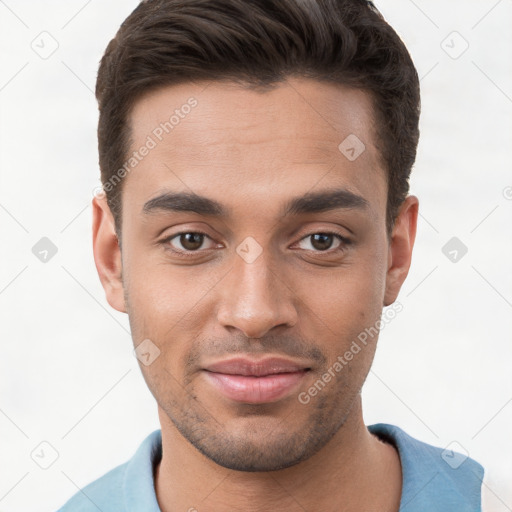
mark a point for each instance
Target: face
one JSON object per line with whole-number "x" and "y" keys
{"x": 249, "y": 233}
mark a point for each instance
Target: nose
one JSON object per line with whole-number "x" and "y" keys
{"x": 255, "y": 298}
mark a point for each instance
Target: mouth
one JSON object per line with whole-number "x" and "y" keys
{"x": 256, "y": 381}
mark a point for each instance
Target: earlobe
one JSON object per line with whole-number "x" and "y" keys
{"x": 400, "y": 248}
{"x": 107, "y": 253}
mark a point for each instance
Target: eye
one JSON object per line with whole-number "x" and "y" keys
{"x": 323, "y": 241}
{"x": 190, "y": 241}
{"x": 187, "y": 243}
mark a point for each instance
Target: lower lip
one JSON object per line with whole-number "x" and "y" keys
{"x": 255, "y": 390}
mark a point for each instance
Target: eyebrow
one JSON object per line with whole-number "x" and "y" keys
{"x": 312, "y": 202}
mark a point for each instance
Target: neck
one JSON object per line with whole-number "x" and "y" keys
{"x": 354, "y": 471}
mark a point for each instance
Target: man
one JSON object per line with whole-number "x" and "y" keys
{"x": 255, "y": 159}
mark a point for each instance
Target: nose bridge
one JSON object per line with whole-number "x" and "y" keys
{"x": 254, "y": 298}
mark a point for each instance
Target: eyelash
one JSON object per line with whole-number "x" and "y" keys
{"x": 189, "y": 254}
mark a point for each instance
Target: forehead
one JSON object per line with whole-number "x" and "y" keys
{"x": 221, "y": 140}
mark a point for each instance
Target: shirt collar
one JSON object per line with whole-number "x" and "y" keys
{"x": 428, "y": 481}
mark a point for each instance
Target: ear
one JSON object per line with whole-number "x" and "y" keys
{"x": 107, "y": 253}
{"x": 400, "y": 248}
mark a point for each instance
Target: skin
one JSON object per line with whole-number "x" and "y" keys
{"x": 252, "y": 151}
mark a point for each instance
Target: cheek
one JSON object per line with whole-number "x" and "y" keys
{"x": 350, "y": 294}
{"x": 170, "y": 305}
{"x": 165, "y": 292}
{"x": 162, "y": 309}
{"x": 346, "y": 308}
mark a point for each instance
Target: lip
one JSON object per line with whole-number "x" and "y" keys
{"x": 256, "y": 381}
{"x": 254, "y": 367}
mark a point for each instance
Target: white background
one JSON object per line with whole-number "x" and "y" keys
{"x": 67, "y": 373}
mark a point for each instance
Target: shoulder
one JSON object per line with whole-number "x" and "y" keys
{"x": 434, "y": 478}
{"x": 127, "y": 487}
{"x": 104, "y": 493}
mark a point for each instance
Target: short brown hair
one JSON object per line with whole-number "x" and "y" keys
{"x": 260, "y": 43}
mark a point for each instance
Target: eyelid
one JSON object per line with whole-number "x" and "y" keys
{"x": 344, "y": 240}
{"x": 167, "y": 240}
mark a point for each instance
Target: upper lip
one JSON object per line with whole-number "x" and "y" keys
{"x": 256, "y": 368}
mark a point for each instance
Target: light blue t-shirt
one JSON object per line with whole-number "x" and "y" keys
{"x": 434, "y": 480}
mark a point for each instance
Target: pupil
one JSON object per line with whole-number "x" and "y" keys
{"x": 319, "y": 241}
{"x": 191, "y": 241}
